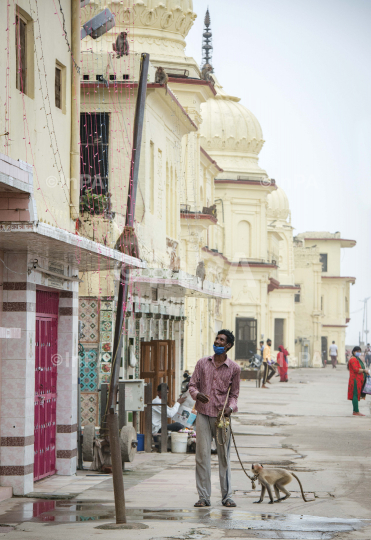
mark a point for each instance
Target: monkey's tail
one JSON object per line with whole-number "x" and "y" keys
{"x": 301, "y": 487}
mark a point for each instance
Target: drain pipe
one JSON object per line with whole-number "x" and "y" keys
{"x": 75, "y": 111}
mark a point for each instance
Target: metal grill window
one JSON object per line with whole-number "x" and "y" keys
{"x": 94, "y": 135}
{"x": 21, "y": 57}
{"x": 58, "y": 88}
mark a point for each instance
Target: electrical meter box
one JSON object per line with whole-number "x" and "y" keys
{"x": 134, "y": 394}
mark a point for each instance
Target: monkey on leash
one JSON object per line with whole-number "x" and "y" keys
{"x": 278, "y": 478}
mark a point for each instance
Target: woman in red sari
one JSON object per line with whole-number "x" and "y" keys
{"x": 357, "y": 376}
{"x": 283, "y": 363}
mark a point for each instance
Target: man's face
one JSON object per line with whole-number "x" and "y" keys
{"x": 221, "y": 341}
{"x": 269, "y": 343}
{"x": 159, "y": 393}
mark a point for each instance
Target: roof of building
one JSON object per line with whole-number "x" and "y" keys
{"x": 324, "y": 236}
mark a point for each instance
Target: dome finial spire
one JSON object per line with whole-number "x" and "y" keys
{"x": 207, "y": 47}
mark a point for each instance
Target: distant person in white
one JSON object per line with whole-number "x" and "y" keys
{"x": 171, "y": 412}
{"x": 334, "y": 354}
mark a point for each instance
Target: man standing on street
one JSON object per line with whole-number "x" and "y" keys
{"x": 209, "y": 385}
{"x": 334, "y": 354}
{"x": 268, "y": 368}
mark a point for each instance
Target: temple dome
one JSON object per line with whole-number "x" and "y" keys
{"x": 278, "y": 204}
{"x": 231, "y": 134}
{"x": 158, "y": 26}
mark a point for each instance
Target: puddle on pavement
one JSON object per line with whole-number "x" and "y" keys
{"x": 244, "y": 524}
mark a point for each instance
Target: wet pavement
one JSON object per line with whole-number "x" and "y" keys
{"x": 304, "y": 428}
{"x": 237, "y": 523}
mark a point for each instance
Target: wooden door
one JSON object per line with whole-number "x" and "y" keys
{"x": 157, "y": 365}
{"x": 246, "y": 338}
{"x": 46, "y": 361}
{"x": 324, "y": 347}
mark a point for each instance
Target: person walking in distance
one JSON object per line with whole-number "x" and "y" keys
{"x": 215, "y": 383}
{"x": 334, "y": 354}
{"x": 267, "y": 364}
{"x": 368, "y": 355}
{"x": 261, "y": 347}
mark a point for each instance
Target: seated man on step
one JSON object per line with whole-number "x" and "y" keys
{"x": 171, "y": 412}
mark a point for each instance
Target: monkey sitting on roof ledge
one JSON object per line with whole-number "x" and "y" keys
{"x": 278, "y": 478}
{"x": 161, "y": 77}
{"x": 121, "y": 47}
{"x": 206, "y": 74}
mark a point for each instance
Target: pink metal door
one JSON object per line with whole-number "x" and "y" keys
{"x": 45, "y": 383}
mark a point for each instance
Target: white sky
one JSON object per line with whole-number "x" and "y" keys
{"x": 303, "y": 67}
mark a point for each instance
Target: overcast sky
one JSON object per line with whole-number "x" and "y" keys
{"x": 303, "y": 67}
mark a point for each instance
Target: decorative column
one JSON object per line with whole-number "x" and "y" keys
{"x": 18, "y": 377}
{"x": 67, "y": 407}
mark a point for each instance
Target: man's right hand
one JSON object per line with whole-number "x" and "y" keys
{"x": 182, "y": 399}
{"x": 203, "y": 398}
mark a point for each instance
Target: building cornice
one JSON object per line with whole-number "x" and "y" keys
{"x": 168, "y": 92}
{"x": 334, "y": 326}
{"x": 252, "y": 264}
{"x": 345, "y": 242}
{"x": 210, "y": 159}
{"x": 256, "y": 183}
{"x": 194, "y": 82}
{"x": 189, "y": 215}
{"x": 345, "y": 278}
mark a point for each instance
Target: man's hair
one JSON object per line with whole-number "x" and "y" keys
{"x": 333, "y": 342}
{"x": 261, "y": 342}
{"x": 269, "y": 339}
{"x": 159, "y": 387}
{"x": 229, "y": 335}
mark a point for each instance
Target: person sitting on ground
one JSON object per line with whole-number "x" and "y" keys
{"x": 357, "y": 377}
{"x": 269, "y": 370}
{"x": 171, "y": 412}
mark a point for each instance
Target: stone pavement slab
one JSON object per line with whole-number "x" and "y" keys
{"x": 306, "y": 423}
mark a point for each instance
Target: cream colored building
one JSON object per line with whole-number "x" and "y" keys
{"x": 322, "y": 305}
{"x": 204, "y": 146}
{"x": 254, "y": 234}
{"x": 40, "y": 252}
{"x": 177, "y": 297}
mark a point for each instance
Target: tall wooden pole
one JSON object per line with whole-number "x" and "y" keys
{"x": 112, "y": 420}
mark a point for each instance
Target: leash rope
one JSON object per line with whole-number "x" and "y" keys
{"x": 222, "y": 425}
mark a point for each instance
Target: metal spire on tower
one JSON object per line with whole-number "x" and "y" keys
{"x": 207, "y": 47}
